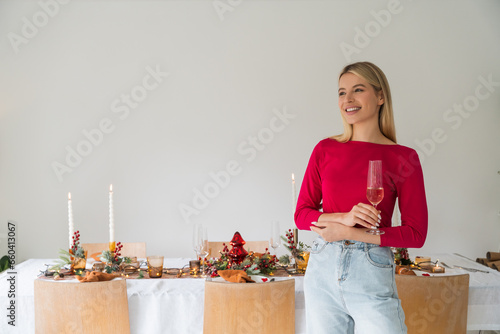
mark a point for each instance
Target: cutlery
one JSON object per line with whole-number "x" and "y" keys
{"x": 465, "y": 257}
{"x": 464, "y": 268}
{"x": 446, "y": 266}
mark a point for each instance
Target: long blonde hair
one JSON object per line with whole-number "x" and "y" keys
{"x": 375, "y": 77}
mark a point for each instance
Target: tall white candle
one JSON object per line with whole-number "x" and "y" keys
{"x": 111, "y": 216}
{"x": 294, "y": 193}
{"x": 70, "y": 221}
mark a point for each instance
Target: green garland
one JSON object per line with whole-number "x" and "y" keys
{"x": 251, "y": 264}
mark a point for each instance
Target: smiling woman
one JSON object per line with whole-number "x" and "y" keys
{"x": 362, "y": 83}
{"x": 335, "y": 180}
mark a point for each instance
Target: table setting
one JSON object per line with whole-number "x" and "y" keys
{"x": 169, "y": 292}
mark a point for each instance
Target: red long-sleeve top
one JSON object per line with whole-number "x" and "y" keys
{"x": 336, "y": 179}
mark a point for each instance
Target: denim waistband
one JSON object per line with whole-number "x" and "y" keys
{"x": 319, "y": 244}
{"x": 353, "y": 244}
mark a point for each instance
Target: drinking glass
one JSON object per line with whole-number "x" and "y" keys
{"x": 275, "y": 239}
{"x": 155, "y": 266}
{"x": 200, "y": 243}
{"x": 374, "y": 188}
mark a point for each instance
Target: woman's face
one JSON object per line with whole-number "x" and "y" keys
{"x": 358, "y": 101}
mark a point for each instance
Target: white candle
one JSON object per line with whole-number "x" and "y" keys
{"x": 111, "y": 216}
{"x": 70, "y": 221}
{"x": 294, "y": 193}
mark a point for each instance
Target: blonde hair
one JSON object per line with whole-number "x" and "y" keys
{"x": 374, "y": 75}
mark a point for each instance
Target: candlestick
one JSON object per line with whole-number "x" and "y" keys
{"x": 70, "y": 221}
{"x": 295, "y": 237}
{"x": 111, "y": 216}
{"x": 294, "y": 193}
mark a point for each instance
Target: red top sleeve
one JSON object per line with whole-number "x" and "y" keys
{"x": 310, "y": 195}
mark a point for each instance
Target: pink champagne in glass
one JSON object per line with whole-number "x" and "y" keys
{"x": 374, "y": 188}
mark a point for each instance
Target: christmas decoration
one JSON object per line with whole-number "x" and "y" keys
{"x": 252, "y": 263}
{"x": 76, "y": 257}
{"x": 113, "y": 260}
{"x": 237, "y": 253}
{"x": 401, "y": 256}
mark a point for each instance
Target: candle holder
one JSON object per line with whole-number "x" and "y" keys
{"x": 112, "y": 247}
{"x": 98, "y": 266}
{"x": 77, "y": 263}
{"x": 301, "y": 261}
{"x": 155, "y": 266}
{"x": 437, "y": 269}
{"x": 130, "y": 267}
{"x": 194, "y": 267}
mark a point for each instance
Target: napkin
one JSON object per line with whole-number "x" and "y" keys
{"x": 235, "y": 276}
{"x": 494, "y": 265}
{"x": 404, "y": 270}
{"x": 492, "y": 256}
{"x": 95, "y": 276}
{"x": 96, "y": 256}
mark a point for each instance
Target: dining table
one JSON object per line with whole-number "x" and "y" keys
{"x": 175, "y": 305}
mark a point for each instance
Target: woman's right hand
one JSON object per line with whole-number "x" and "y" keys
{"x": 362, "y": 214}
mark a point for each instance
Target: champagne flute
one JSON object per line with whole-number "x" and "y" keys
{"x": 204, "y": 249}
{"x": 374, "y": 188}
{"x": 275, "y": 239}
{"x": 200, "y": 244}
{"x": 197, "y": 239}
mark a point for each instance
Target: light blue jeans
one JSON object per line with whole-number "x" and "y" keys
{"x": 350, "y": 286}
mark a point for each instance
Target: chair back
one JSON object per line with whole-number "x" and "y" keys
{"x": 434, "y": 304}
{"x": 87, "y": 308}
{"x": 129, "y": 249}
{"x": 264, "y": 308}
{"x": 215, "y": 247}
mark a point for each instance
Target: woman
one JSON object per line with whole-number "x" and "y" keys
{"x": 350, "y": 280}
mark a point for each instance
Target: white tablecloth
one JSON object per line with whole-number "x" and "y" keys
{"x": 155, "y": 306}
{"x": 176, "y": 305}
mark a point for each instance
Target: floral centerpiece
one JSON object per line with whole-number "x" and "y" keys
{"x": 252, "y": 264}
{"x": 76, "y": 257}
{"x": 298, "y": 249}
{"x": 113, "y": 260}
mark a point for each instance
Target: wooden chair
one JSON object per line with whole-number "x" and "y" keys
{"x": 129, "y": 249}
{"x": 215, "y": 247}
{"x": 87, "y": 308}
{"x": 244, "y": 308}
{"x": 434, "y": 304}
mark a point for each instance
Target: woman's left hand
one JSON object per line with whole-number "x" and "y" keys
{"x": 330, "y": 231}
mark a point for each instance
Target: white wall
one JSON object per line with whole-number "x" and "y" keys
{"x": 229, "y": 73}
